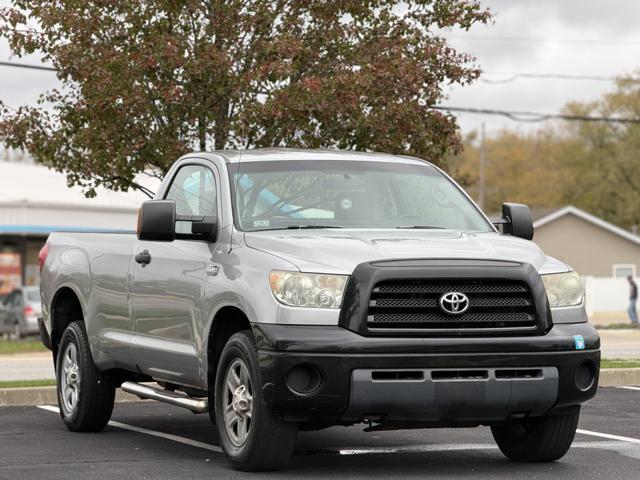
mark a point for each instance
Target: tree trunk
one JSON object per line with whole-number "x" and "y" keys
{"x": 221, "y": 130}
{"x": 202, "y": 133}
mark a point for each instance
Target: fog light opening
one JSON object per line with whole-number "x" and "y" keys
{"x": 585, "y": 375}
{"x": 304, "y": 379}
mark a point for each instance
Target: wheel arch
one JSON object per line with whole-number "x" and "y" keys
{"x": 228, "y": 320}
{"x": 66, "y": 307}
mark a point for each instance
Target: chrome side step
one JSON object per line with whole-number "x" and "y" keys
{"x": 143, "y": 391}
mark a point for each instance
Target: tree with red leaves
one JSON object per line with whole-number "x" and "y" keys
{"x": 147, "y": 81}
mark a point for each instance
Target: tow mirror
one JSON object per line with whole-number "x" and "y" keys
{"x": 157, "y": 220}
{"x": 194, "y": 227}
{"x": 516, "y": 220}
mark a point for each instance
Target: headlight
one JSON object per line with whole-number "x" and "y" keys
{"x": 308, "y": 289}
{"x": 563, "y": 289}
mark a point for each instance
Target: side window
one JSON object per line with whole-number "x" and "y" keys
{"x": 194, "y": 190}
{"x": 13, "y": 301}
{"x": 7, "y": 302}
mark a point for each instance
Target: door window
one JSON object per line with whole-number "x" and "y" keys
{"x": 194, "y": 191}
{"x": 8, "y": 302}
{"x": 14, "y": 300}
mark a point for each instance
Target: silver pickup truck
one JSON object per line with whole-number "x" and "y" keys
{"x": 279, "y": 290}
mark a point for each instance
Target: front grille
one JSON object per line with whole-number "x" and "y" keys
{"x": 506, "y": 305}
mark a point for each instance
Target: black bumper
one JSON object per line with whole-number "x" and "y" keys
{"x": 475, "y": 381}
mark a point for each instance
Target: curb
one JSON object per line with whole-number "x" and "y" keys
{"x": 25, "y": 396}
{"x": 619, "y": 377}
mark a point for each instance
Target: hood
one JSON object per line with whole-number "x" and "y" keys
{"x": 340, "y": 251}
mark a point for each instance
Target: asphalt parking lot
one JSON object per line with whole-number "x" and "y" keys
{"x": 151, "y": 440}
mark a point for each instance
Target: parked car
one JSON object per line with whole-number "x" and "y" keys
{"x": 279, "y": 290}
{"x": 20, "y": 311}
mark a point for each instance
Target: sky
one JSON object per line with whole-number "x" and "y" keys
{"x": 567, "y": 37}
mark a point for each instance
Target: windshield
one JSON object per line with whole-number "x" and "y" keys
{"x": 348, "y": 194}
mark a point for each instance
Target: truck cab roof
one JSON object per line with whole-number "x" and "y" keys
{"x": 295, "y": 154}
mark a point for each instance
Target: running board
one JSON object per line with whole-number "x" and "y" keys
{"x": 143, "y": 391}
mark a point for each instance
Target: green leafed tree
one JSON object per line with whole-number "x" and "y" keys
{"x": 146, "y": 81}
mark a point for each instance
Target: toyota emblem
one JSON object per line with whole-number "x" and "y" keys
{"x": 454, "y": 303}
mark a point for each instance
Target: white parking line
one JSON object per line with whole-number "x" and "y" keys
{"x": 631, "y": 388}
{"x": 620, "y": 441}
{"x": 452, "y": 447}
{"x": 609, "y": 436}
{"x": 146, "y": 431}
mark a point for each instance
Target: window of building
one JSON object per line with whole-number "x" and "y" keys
{"x": 623, "y": 270}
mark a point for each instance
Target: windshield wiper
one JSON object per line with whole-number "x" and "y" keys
{"x": 304, "y": 227}
{"x": 421, "y": 227}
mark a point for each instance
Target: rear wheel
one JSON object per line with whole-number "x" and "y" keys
{"x": 253, "y": 437}
{"x": 85, "y": 394}
{"x": 536, "y": 439}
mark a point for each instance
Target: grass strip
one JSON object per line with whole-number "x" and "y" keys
{"x": 616, "y": 326}
{"x": 619, "y": 363}
{"x": 27, "y": 383}
{"x": 26, "y": 345}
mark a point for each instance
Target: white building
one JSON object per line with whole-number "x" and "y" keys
{"x": 34, "y": 201}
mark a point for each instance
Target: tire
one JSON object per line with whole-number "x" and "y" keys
{"x": 85, "y": 394}
{"x": 537, "y": 439}
{"x": 269, "y": 440}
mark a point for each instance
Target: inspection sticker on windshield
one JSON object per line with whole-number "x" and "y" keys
{"x": 261, "y": 223}
{"x": 579, "y": 339}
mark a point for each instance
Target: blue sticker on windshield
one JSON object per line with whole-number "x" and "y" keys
{"x": 579, "y": 339}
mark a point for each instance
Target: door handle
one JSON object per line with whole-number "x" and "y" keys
{"x": 143, "y": 258}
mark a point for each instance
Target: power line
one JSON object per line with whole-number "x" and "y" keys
{"x": 532, "y": 117}
{"x": 561, "y": 76}
{"x": 517, "y": 116}
{"x": 511, "y": 78}
{"x": 503, "y": 38}
{"x": 31, "y": 67}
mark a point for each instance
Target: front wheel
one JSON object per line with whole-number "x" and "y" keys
{"x": 85, "y": 394}
{"x": 536, "y": 439}
{"x": 252, "y": 437}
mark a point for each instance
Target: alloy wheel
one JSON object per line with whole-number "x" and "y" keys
{"x": 237, "y": 402}
{"x": 70, "y": 379}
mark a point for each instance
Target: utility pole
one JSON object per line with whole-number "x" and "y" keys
{"x": 483, "y": 159}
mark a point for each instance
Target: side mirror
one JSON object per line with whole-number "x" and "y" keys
{"x": 193, "y": 227}
{"x": 516, "y": 220}
{"x": 157, "y": 220}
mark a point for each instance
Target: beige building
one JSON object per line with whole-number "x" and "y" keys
{"x": 592, "y": 246}
{"x": 601, "y": 252}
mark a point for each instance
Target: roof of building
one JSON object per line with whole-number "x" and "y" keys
{"x": 23, "y": 183}
{"x": 36, "y": 200}
{"x": 571, "y": 210}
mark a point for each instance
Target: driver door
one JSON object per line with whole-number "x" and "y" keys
{"x": 168, "y": 292}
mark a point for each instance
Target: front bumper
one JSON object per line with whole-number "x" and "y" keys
{"x": 430, "y": 381}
